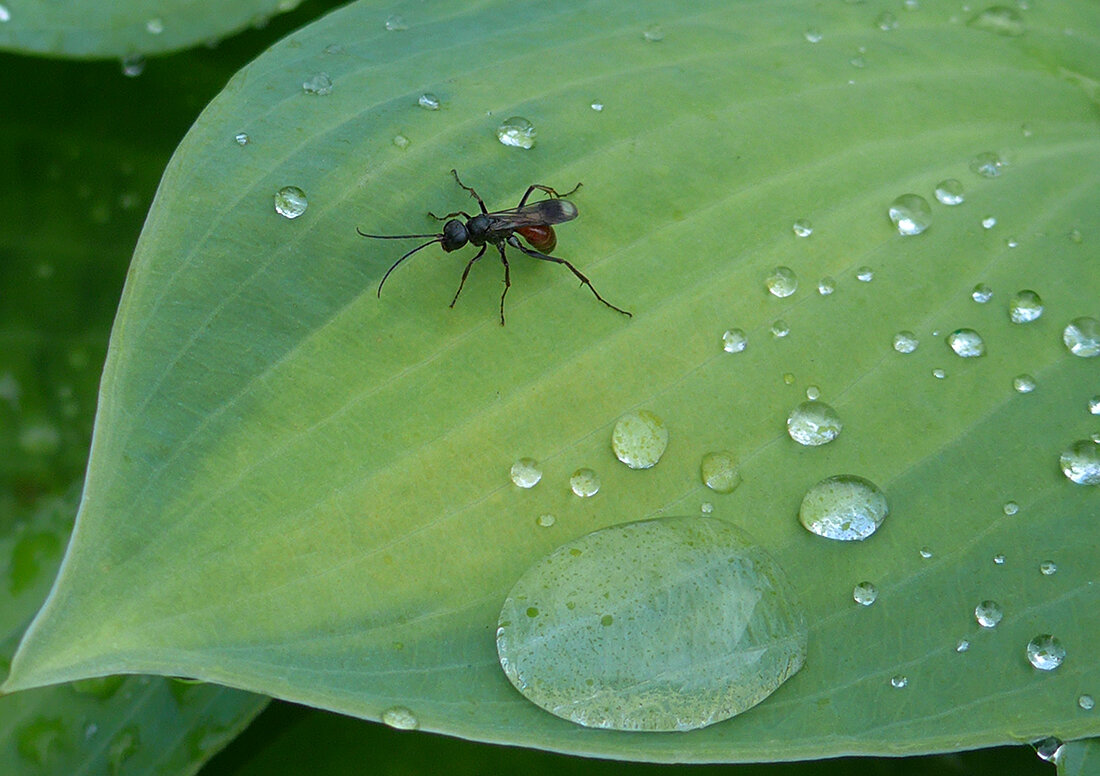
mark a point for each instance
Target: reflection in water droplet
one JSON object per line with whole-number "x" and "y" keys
{"x": 400, "y": 718}
{"x": 899, "y": 681}
{"x": 653, "y": 33}
{"x": 734, "y": 341}
{"x": 981, "y": 293}
{"x": 1023, "y": 383}
{"x": 546, "y": 520}
{"x": 988, "y": 614}
{"x": 949, "y": 192}
{"x": 987, "y": 164}
{"x": 1086, "y": 702}
{"x": 1049, "y": 749}
{"x": 526, "y": 473}
{"x": 395, "y": 23}
{"x": 782, "y": 282}
{"x": 1081, "y": 462}
{"x": 1000, "y": 20}
{"x": 1045, "y": 652}
{"x": 517, "y": 132}
{"x": 428, "y": 101}
{"x": 813, "y": 423}
{"x": 966, "y": 343}
{"x": 241, "y": 138}
{"x": 719, "y": 471}
{"x": 826, "y": 286}
{"x": 843, "y": 507}
{"x": 639, "y": 439}
{"x": 962, "y": 645}
{"x": 905, "y": 342}
{"x": 911, "y": 214}
{"x": 999, "y": 560}
{"x": 803, "y": 228}
{"x": 1025, "y": 307}
{"x": 926, "y": 552}
{"x": 319, "y": 84}
{"x": 711, "y": 629}
{"x": 864, "y": 594}
{"x": 290, "y": 202}
{"x": 584, "y": 483}
{"x": 1048, "y": 567}
{"x": 596, "y": 106}
{"x": 780, "y": 329}
{"x": 1082, "y": 337}
{"x": 865, "y": 274}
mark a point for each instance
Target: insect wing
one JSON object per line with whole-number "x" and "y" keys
{"x": 545, "y": 213}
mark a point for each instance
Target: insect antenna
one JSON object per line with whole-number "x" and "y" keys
{"x": 435, "y": 238}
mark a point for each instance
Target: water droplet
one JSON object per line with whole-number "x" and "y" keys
{"x": 1024, "y": 383}
{"x": 719, "y": 471}
{"x": 1049, "y": 749}
{"x": 517, "y": 132}
{"x": 711, "y": 629}
{"x": 987, "y": 164}
{"x": 1048, "y": 567}
{"x": 865, "y": 274}
{"x": 858, "y": 60}
{"x": 242, "y": 138}
{"x": 826, "y": 286}
{"x": 813, "y": 35}
{"x": 401, "y": 141}
{"x": 90, "y": 730}
{"x": 396, "y": 23}
{"x": 843, "y": 507}
{"x": 123, "y": 746}
{"x": 639, "y": 439}
{"x": 911, "y": 214}
{"x": 950, "y": 192}
{"x": 938, "y": 373}
{"x": 319, "y": 84}
{"x": 39, "y": 741}
{"x": 1075, "y": 236}
{"x": 813, "y": 393}
{"x": 133, "y": 66}
{"x": 905, "y": 342}
{"x": 428, "y": 101}
{"x": 5, "y": 14}
{"x": 780, "y": 329}
{"x": 989, "y": 222}
{"x": 154, "y": 26}
{"x": 988, "y": 614}
{"x": 1082, "y": 337}
{"x": 596, "y": 106}
{"x": 999, "y": 560}
{"x": 1000, "y": 20}
{"x": 788, "y": 378}
{"x": 966, "y": 343}
{"x": 1010, "y": 508}
{"x": 290, "y": 202}
{"x": 981, "y": 293}
{"x": 962, "y": 645}
{"x": 1012, "y": 242}
{"x": 400, "y": 718}
{"x": 782, "y": 282}
{"x": 585, "y": 483}
{"x": 734, "y": 341}
{"x": 1086, "y": 702}
{"x": 1045, "y": 652}
{"x": 802, "y": 228}
{"x": 1025, "y": 307}
{"x": 886, "y": 21}
{"x": 706, "y": 509}
{"x": 813, "y": 423}
{"x": 1081, "y": 462}
{"x": 546, "y": 520}
{"x": 653, "y": 33}
{"x": 864, "y": 594}
{"x": 1094, "y": 405}
{"x": 526, "y": 473}
{"x": 926, "y": 552}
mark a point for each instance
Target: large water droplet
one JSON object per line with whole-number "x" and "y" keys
{"x": 517, "y": 132}
{"x": 639, "y": 439}
{"x": 734, "y": 341}
{"x": 988, "y": 614}
{"x": 584, "y": 483}
{"x": 987, "y": 164}
{"x": 911, "y": 214}
{"x": 864, "y": 594}
{"x": 709, "y": 630}
{"x": 1045, "y": 652}
{"x": 949, "y": 192}
{"x": 1081, "y": 462}
{"x": 319, "y": 84}
{"x": 1049, "y": 749}
{"x": 1082, "y": 337}
{"x": 813, "y": 423}
{"x": 400, "y": 718}
{"x": 905, "y": 342}
{"x": 719, "y": 471}
{"x": 782, "y": 282}
{"x": 843, "y": 507}
{"x": 1000, "y": 20}
{"x": 966, "y": 343}
{"x": 290, "y": 202}
{"x": 526, "y": 472}
{"x": 1025, "y": 307}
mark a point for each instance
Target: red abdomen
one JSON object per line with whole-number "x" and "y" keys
{"x": 541, "y": 238}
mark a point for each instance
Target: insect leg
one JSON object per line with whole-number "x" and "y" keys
{"x": 466, "y": 272}
{"x": 473, "y": 193}
{"x": 548, "y": 190}
{"x": 450, "y": 215}
{"x": 515, "y": 243}
{"x": 507, "y": 280}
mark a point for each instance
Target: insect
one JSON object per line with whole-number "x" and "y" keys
{"x": 533, "y": 222}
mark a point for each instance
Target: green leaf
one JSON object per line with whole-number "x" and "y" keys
{"x": 1080, "y": 758}
{"x": 301, "y": 489}
{"x": 88, "y": 29}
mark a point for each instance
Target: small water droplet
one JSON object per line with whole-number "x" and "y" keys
{"x": 1075, "y": 236}
{"x": 428, "y": 101}
{"x": 780, "y": 329}
{"x": 987, "y": 164}
{"x": 843, "y": 507}
{"x": 400, "y": 718}
{"x": 926, "y": 552}
{"x": 319, "y": 84}
{"x": 1045, "y": 652}
{"x": 865, "y": 274}
{"x": 517, "y": 132}
{"x": 999, "y": 560}
{"x": 734, "y": 341}
{"x": 788, "y": 378}
{"x": 706, "y": 509}
{"x": 1048, "y": 567}
{"x": 826, "y": 286}
{"x": 1025, "y": 307}
{"x": 950, "y": 192}
{"x": 981, "y": 293}
{"x": 813, "y": 423}
{"x": 585, "y": 483}
{"x": 596, "y": 106}
{"x": 782, "y": 282}
{"x": 813, "y": 35}
{"x": 989, "y": 222}
{"x": 938, "y": 373}
{"x": 154, "y": 26}
{"x": 911, "y": 214}
{"x": 90, "y": 730}
{"x": 1049, "y": 749}
{"x": 1024, "y": 383}
{"x": 290, "y": 202}
{"x": 802, "y": 228}
{"x": 966, "y": 343}
{"x": 1000, "y": 20}
{"x": 1094, "y": 405}
{"x": 813, "y": 393}
{"x": 1086, "y": 702}
{"x": 133, "y": 66}
{"x": 653, "y": 34}
{"x": 526, "y": 473}
{"x": 962, "y": 645}
{"x": 639, "y": 439}
{"x": 546, "y": 520}
{"x": 988, "y": 614}
{"x": 899, "y": 681}
{"x": 1081, "y": 462}
{"x": 5, "y": 14}
{"x": 905, "y": 342}
{"x": 396, "y": 23}
{"x": 1082, "y": 337}
{"x": 1010, "y": 508}
{"x": 242, "y": 138}
{"x": 864, "y": 594}
{"x": 719, "y": 471}
{"x": 1012, "y": 242}
{"x": 886, "y": 21}
{"x": 1026, "y": 130}
{"x": 401, "y": 141}
{"x": 858, "y": 61}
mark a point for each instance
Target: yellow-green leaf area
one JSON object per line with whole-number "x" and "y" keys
{"x": 299, "y": 488}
